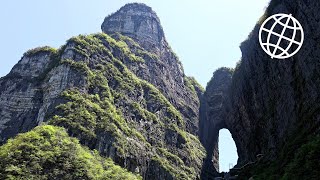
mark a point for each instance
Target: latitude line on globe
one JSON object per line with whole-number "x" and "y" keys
{"x": 288, "y": 27}
{"x": 284, "y": 37}
{"x": 281, "y": 36}
{"x": 293, "y": 36}
{"x": 269, "y": 36}
{"x": 273, "y": 45}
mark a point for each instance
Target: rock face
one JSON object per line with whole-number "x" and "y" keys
{"x": 272, "y": 102}
{"x": 21, "y": 94}
{"x": 271, "y": 99}
{"x": 212, "y": 115}
{"x": 141, "y": 23}
{"x": 122, "y": 92}
{"x": 31, "y": 90}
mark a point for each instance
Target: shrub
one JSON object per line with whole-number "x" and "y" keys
{"x": 44, "y": 49}
{"x": 47, "y": 152}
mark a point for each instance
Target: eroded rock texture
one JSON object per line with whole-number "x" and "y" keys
{"x": 31, "y": 90}
{"x": 122, "y": 92}
{"x": 141, "y": 23}
{"x": 212, "y": 117}
{"x": 271, "y": 99}
{"x": 272, "y": 105}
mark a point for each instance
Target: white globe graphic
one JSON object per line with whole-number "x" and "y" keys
{"x": 281, "y": 36}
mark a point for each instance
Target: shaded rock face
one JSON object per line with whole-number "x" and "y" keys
{"x": 132, "y": 104}
{"x": 271, "y": 101}
{"x": 270, "y": 98}
{"x": 212, "y": 116}
{"x": 165, "y": 71}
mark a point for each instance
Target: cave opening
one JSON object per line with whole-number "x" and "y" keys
{"x": 228, "y": 155}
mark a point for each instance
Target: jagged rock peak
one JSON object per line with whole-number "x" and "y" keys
{"x": 138, "y": 7}
{"x": 138, "y": 21}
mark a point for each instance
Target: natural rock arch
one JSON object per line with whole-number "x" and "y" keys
{"x": 213, "y": 110}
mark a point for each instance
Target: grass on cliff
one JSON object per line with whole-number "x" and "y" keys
{"x": 101, "y": 43}
{"x": 99, "y": 110}
{"x": 193, "y": 85}
{"x": 47, "y": 152}
{"x": 38, "y": 50}
{"x": 102, "y": 108}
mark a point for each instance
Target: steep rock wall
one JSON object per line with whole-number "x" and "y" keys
{"x": 133, "y": 104}
{"x": 165, "y": 71}
{"x": 272, "y": 102}
{"x": 270, "y": 99}
{"x": 212, "y": 116}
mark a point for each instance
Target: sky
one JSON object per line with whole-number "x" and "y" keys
{"x": 205, "y": 34}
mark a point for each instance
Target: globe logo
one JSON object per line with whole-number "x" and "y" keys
{"x": 281, "y": 36}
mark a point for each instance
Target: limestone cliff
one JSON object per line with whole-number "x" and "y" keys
{"x": 272, "y": 107}
{"x": 272, "y": 98}
{"x": 122, "y": 92}
{"x": 212, "y": 116}
{"x": 165, "y": 71}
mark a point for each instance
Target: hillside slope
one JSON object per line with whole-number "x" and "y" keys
{"x": 114, "y": 94}
{"x": 47, "y": 152}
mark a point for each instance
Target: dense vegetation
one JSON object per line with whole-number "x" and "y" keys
{"x": 111, "y": 112}
{"x": 299, "y": 159}
{"x": 47, "y": 152}
{"x": 112, "y": 89}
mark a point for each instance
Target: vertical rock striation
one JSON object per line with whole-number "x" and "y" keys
{"x": 122, "y": 92}
{"x": 139, "y": 22}
{"x": 165, "y": 71}
{"x": 273, "y": 99}
{"x": 212, "y": 116}
{"x": 272, "y": 106}
{"x": 21, "y": 93}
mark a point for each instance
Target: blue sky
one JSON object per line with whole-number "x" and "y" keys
{"x": 205, "y": 34}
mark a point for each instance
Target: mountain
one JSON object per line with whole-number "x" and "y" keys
{"x": 117, "y": 105}
{"x": 141, "y": 24}
{"x": 122, "y": 93}
{"x": 270, "y": 106}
